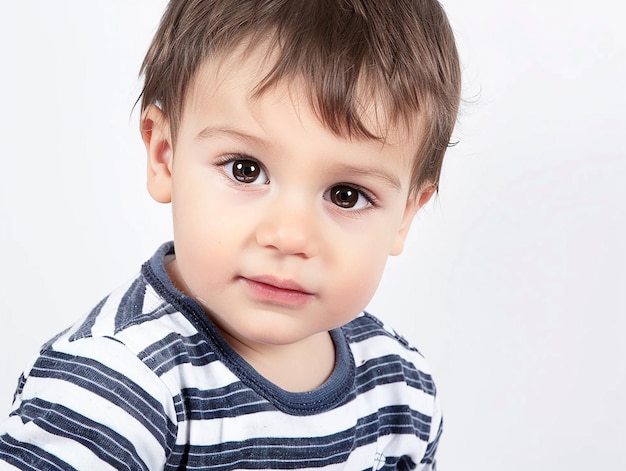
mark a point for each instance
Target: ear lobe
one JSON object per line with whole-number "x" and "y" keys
{"x": 413, "y": 205}
{"x": 155, "y": 132}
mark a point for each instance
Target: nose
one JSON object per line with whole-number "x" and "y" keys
{"x": 289, "y": 228}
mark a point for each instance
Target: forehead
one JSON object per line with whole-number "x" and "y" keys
{"x": 244, "y": 71}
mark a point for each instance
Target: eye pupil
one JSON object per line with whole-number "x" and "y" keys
{"x": 344, "y": 196}
{"x": 246, "y": 171}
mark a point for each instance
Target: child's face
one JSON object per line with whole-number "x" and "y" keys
{"x": 281, "y": 228}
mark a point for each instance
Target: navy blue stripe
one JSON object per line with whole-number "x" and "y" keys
{"x": 422, "y": 423}
{"x": 164, "y": 309}
{"x": 398, "y": 463}
{"x": 175, "y": 349}
{"x": 291, "y": 453}
{"x": 230, "y": 401}
{"x": 398, "y": 420}
{"x": 179, "y": 407}
{"x": 273, "y": 452}
{"x": 131, "y": 304}
{"x": 28, "y": 457}
{"x": 49, "y": 343}
{"x": 431, "y": 449}
{"x": 110, "y": 385}
{"x": 365, "y": 327}
{"x": 105, "y": 443}
{"x": 20, "y": 386}
{"x": 84, "y": 330}
{"x": 362, "y": 328}
{"x": 392, "y": 369}
{"x": 252, "y": 456}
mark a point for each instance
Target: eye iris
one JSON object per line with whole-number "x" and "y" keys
{"x": 344, "y": 196}
{"x": 246, "y": 171}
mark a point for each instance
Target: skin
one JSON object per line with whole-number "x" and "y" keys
{"x": 282, "y": 229}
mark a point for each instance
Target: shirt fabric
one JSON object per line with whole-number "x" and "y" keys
{"x": 146, "y": 382}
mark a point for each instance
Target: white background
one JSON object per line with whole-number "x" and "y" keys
{"x": 512, "y": 283}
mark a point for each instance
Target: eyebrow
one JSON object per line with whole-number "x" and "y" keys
{"x": 213, "y": 131}
{"x": 379, "y": 173}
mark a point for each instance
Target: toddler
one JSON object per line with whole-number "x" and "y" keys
{"x": 295, "y": 141}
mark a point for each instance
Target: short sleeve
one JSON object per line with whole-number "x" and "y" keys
{"x": 86, "y": 405}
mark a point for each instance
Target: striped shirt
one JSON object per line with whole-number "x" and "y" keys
{"x": 145, "y": 382}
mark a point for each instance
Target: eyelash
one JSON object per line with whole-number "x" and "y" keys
{"x": 232, "y": 158}
{"x": 369, "y": 196}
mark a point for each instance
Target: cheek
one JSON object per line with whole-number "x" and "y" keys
{"x": 196, "y": 211}
{"x": 356, "y": 279}
{"x": 201, "y": 237}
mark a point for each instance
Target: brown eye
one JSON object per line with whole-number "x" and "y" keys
{"x": 344, "y": 196}
{"x": 246, "y": 171}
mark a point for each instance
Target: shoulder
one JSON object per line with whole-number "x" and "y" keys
{"x": 381, "y": 354}
{"x": 394, "y": 380}
{"x": 367, "y": 329}
{"x": 134, "y": 315}
{"x": 133, "y": 303}
{"x": 96, "y": 400}
{"x": 100, "y": 356}
{"x": 367, "y": 325}
{"x": 97, "y": 390}
{"x": 107, "y": 349}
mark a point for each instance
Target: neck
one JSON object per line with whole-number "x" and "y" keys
{"x": 297, "y": 367}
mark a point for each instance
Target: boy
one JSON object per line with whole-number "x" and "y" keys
{"x": 295, "y": 142}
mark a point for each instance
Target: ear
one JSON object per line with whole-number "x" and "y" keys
{"x": 413, "y": 204}
{"x": 155, "y": 132}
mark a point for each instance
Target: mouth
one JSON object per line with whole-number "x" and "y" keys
{"x": 276, "y": 291}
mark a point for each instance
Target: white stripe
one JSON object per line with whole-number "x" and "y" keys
{"x": 95, "y": 385}
{"x": 151, "y": 300}
{"x": 77, "y": 437}
{"x": 380, "y": 346}
{"x": 72, "y": 452}
{"x": 139, "y": 337}
{"x": 95, "y": 408}
{"x": 119, "y": 358}
{"x": 212, "y": 376}
{"x": 105, "y": 321}
{"x": 271, "y": 424}
{"x": 280, "y": 425}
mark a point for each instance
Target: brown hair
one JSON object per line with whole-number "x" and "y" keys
{"x": 399, "y": 53}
